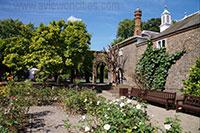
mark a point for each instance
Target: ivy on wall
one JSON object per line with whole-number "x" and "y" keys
{"x": 152, "y": 68}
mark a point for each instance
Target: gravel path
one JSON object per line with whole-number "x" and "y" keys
{"x": 50, "y": 119}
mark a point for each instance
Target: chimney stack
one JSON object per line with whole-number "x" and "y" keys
{"x": 138, "y": 23}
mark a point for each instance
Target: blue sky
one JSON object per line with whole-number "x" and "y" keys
{"x": 101, "y": 16}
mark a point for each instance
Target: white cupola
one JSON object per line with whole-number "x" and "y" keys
{"x": 166, "y": 20}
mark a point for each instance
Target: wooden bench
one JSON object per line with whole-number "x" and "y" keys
{"x": 123, "y": 92}
{"x": 160, "y": 97}
{"x": 189, "y": 103}
{"x": 137, "y": 93}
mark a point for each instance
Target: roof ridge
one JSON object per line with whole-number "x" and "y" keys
{"x": 187, "y": 16}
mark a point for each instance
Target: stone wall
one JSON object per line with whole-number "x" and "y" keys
{"x": 128, "y": 62}
{"x": 190, "y": 41}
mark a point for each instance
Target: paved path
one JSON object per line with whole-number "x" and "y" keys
{"x": 49, "y": 119}
{"x": 157, "y": 114}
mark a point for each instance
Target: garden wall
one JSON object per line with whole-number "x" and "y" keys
{"x": 190, "y": 41}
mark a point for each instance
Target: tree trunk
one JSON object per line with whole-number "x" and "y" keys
{"x": 72, "y": 76}
{"x": 87, "y": 78}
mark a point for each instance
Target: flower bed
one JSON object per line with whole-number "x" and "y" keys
{"x": 15, "y": 100}
{"x": 121, "y": 115}
{"x": 98, "y": 114}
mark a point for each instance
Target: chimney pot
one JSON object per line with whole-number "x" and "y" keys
{"x": 138, "y": 23}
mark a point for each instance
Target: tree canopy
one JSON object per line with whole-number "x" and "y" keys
{"x": 152, "y": 24}
{"x": 125, "y": 28}
{"x": 55, "y": 49}
{"x": 14, "y": 42}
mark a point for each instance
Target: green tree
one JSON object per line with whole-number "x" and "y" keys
{"x": 44, "y": 50}
{"x": 86, "y": 66}
{"x": 14, "y": 42}
{"x": 14, "y": 28}
{"x": 76, "y": 45}
{"x": 192, "y": 84}
{"x": 58, "y": 48}
{"x": 152, "y": 24}
{"x": 125, "y": 29}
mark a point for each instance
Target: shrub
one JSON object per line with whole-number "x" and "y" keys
{"x": 192, "y": 84}
{"x": 172, "y": 125}
{"x": 15, "y": 100}
{"x": 80, "y": 101}
{"x": 117, "y": 116}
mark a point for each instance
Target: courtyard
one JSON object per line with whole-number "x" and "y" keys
{"x": 99, "y": 66}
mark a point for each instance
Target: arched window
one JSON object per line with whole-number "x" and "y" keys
{"x": 167, "y": 18}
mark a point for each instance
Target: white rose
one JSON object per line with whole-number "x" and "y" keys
{"x": 87, "y": 129}
{"x": 138, "y": 106}
{"x": 167, "y": 126}
{"x": 106, "y": 127}
{"x": 98, "y": 102}
{"x": 122, "y": 97}
{"x": 83, "y": 117}
{"x": 129, "y": 101}
{"x": 117, "y": 100}
{"x": 121, "y": 105}
{"x": 179, "y": 108}
{"x": 106, "y": 116}
{"x": 85, "y": 100}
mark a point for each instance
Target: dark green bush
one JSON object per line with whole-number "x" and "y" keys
{"x": 192, "y": 84}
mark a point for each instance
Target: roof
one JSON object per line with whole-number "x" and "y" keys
{"x": 189, "y": 21}
{"x": 149, "y": 34}
{"x": 166, "y": 12}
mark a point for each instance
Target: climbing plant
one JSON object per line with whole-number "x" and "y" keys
{"x": 152, "y": 68}
{"x": 192, "y": 84}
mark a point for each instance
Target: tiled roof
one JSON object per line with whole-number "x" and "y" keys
{"x": 187, "y": 22}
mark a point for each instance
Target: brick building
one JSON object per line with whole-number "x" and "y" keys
{"x": 183, "y": 35}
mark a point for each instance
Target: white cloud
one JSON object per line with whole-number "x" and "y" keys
{"x": 73, "y": 19}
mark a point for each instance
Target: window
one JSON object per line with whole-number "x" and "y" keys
{"x": 167, "y": 19}
{"x": 161, "y": 44}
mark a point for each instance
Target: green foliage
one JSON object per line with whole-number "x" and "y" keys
{"x": 152, "y": 68}
{"x": 118, "y": 116}
{"x": 172, "y": 125}
{"x": 14, "y": 42}
{"x": 15, "y": 100}
{"x": 192, "y": 84}
{"x": 85, "y": 68}
{"x": 14, "y": 28}
{"x": 55, "y": 49}
{"x": 125, "y": 28}
{"x": 80, "y": 101}
{"x": 152, "y": 24}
